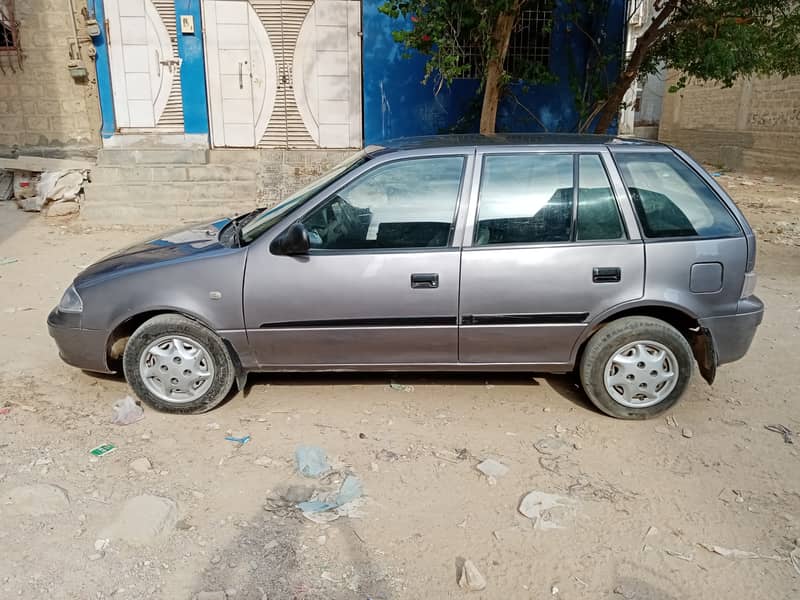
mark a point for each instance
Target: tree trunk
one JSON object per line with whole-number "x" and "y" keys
{"x": 501, "y": 37}
{"x": 643, "y": 44}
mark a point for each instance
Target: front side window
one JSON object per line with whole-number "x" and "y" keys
{"x": 671, "y": 200}
{"x": 525, "y": 199}
{"x": 404, "y": 204}
{"x": 271, "y": 216}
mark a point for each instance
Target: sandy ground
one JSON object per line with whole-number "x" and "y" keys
{"x": 639, "y": 499}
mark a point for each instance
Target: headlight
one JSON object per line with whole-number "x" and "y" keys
{"x": 71, "y": 302}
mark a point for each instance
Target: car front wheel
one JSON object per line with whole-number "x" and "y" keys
{"x": 636, "y": 367}
{"x": 177, "y": 365}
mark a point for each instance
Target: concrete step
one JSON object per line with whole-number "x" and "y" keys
{"x": 146, "y": 156}
{"x": 166, "y": 203}
{"x": 148, "y": 173}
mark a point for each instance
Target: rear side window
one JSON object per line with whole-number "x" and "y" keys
{"x": 525, "y": 199}
{"x": 671, "y": 200}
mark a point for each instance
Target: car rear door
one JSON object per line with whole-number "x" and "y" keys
{"x": 548, "y": 247}
{"x": 380, "y": 283}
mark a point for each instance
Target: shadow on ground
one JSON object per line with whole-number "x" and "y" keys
{"x": 270, "y": 559}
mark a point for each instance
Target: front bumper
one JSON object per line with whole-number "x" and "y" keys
{"x": 733, "y": 334}
{"x": 82, "y": 348}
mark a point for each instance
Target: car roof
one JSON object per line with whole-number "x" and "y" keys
{"x": 503, "y": 139}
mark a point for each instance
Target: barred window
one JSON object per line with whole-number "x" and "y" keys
{"x": 8, "y": 26}
{"x": 529, "y": 47}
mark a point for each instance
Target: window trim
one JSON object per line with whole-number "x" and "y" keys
{"x": 576, "y": 154}
{"x": 625, "y": 233}
{"x": 682, "y": 238}
{"x": 465, "y": 156}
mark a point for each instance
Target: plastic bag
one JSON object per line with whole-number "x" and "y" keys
{"x": 127, "y": 411}
{"x": 311, "y": 461}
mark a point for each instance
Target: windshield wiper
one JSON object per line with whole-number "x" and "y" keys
{"x": 238, "y": 224}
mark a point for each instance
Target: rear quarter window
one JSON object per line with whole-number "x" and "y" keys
{"x": 671, "y": 200}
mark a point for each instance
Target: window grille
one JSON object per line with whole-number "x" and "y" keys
{"x": 8, "y": 26}
{"x": 529, "y": 46}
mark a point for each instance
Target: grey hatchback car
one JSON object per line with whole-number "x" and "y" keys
{"x": 619, "y": 259}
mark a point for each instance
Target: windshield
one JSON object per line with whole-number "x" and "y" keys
{"x": 270, "y": 216}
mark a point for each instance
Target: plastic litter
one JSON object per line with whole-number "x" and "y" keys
{"x": 736, "y": 553}
{"x": 349, "y": 491}
{"x": 783, "y": 430}
{"x": 311, "y": 461}
{"x": 102, "y": 450}
{"x": 238, "y": 440}
{"x": 127, "y": 411}
{"x": 400, "y": 387}
{"x": 7, "y": 260}
{"x": 540, "y": 507}
{"x": 33, "y": 192}
{"x": 492, "y": 468}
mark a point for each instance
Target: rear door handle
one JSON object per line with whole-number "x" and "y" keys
{"x": 425, "y": 280}
{"x": 606, "y": 274}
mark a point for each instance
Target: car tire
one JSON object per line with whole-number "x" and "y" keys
{"x": 165, "y": 362}
{"x": 636, "y": 367}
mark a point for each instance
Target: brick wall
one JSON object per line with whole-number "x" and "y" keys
{"x": 43, "y": 110}
{"x": 753, "y": 125}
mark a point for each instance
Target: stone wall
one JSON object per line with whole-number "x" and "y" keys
{"x": 43, "y": 110}
{"x": 753, "y": 125}
{"x": 151, "y": 188}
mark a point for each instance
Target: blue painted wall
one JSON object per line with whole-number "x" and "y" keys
{"x": 103, "y": 70}
{"x": 193, "y": 69}
{"x": 397, "y": 105}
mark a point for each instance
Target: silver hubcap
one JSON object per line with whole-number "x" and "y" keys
{"x": 641, "y": 374}
{"x": 176, "y": 369}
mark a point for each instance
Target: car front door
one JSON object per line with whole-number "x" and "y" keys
{"x": 379, "y": 285}
{"x": 547, "y": 249}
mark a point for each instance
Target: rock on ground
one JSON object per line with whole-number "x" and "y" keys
{"x": 471, "y": 579}
{"x": 141, "y": 465}
{"x": 143, "y": 519}
{"x": 62, "y": 209}
{"x": 35, "y": 500}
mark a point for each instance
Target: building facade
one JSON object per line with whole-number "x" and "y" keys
{"x": 48, "y": 89}
{"x": 302, "y": 74}
{"x": 753, "y": 125}
{"x": 224, "y": 105}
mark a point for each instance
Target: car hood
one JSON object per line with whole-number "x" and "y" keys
{"x": 174, "y": 246}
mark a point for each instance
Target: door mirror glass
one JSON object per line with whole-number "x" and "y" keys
{"x": 291, "y": 242}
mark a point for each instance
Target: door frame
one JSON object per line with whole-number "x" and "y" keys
{"x": 630, "y": 223}
{"x": 261, "y": 245}
{"x": 119, "y": 93}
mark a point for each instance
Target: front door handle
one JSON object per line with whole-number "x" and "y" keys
{"x": 425, "y": 280}
{"x": 606, "y": 274}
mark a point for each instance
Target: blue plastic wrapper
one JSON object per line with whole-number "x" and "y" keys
{"x": 311, "y": 461}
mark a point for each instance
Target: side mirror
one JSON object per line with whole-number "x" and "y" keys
{"x": 291, "y": 242}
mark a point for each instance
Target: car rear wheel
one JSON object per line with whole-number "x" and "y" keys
{"x": 177, "y": 365}
{"x": 636, "y": 367}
